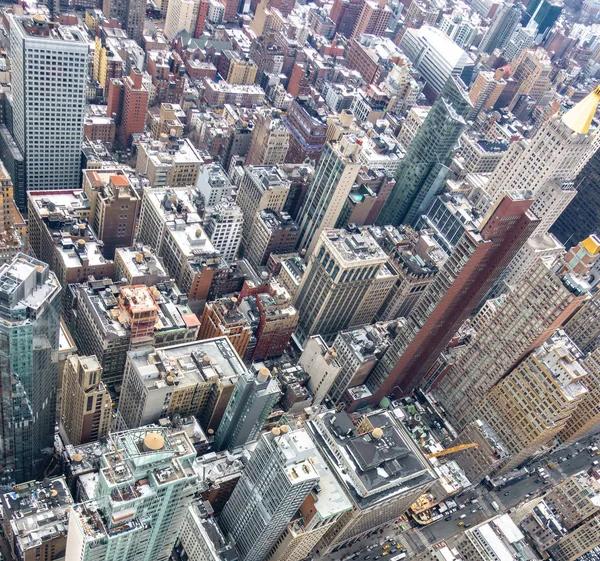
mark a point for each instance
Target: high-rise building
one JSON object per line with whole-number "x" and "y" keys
{"x": 379, "y": 466}
{"x": 251, "y": 403}
{"x": 196, "y": 378}
{"x": 279, "y": 476}
{"x": 12, "y": 225}
{"x": 86, "y": 404}
{"x": 423, "y": 169}
{"x": 223, "y": 225}
{"x": 531, "y": 70}
{"x": 182, "y": 15}
{"x": 127, "y": 105}
{"x": 131, "y": 14}
{"x": 320, "y": 363}
{"x": 506, "y": 330}
{"x": 471, "y": 269}
{"x": 273, "y": 232}
{"x": 307, "y": 132}
{"x": 30, "y": 294}
{"x": 48, "y": 105}
{"x": 499, "y": 33}
{"x": 148, "y": 470}
{"x": 485, "y": 91}
{"x": 584, "y": 326}
{"x": 372, "y": 19}
{"x": 435, "y": 56}
{"x": 270, "y": 142}
{"x": 262, "y": 187}
{"x": 347, "y": 278}
{"x": 582, "y": 216}
{"x": 331, "y": 183}
{"x": 530, "y": 405}
{"x": 222, "y": 318}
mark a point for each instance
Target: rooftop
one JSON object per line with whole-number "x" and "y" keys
{"x": 354, "y": 247}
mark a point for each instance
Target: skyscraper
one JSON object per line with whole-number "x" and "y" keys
{"x": 29, "y": 330}
{"x": 279, "y": 476}
{"x": 145, "y": 483}
{"x": 131, "y": 14}
{"x": 345, "y": 282}
{"x": 423, "y": 169}
{"x": 331, "y": 183}
{"x": 250, "y": 405}
{"x": 49, "y": 73}
{"x": 473, "y": 266}
{"x": 501, "y": 30}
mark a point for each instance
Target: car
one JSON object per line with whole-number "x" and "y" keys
{"x": 448, "y": 518}
{"x": 377, "y": 557}
{"x": 480, "y": 508}
{"x": 368, "y": 557}
{"x": 403, "y": 550}
{"x": 538, "y": 480}
{"x": 462, "y": 516}
{"x": 467, "y": 525}
{"x": 461, "y": 523}
{"x": 387, "y": 546}
{"x": 506, "y": 494}
{"x": 393, "y": 550}
{"x": 474, "y": 511}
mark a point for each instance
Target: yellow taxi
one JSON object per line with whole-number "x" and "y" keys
{"x": 461, "y": 523}
{"x": 387, "y": 546}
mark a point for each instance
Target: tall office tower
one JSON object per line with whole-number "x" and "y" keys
{"x": 279, "y": 476}
{"x": 531, "y": 404}
{"x": 182, "y": 15}
{"x": 13, "y": 230}
{"x": 344, "y": 13}
{"x": 347, "y": 278}
{"x": 145, "y": 484}
{"x": 131, "y": 14}
{"x": 223, "y": 225}
{"x": 471, "y": 269}
{"x": 522, "y": 38}
{"x": 435, "y": 56}
{"x": 372, "y": 19}
{"x": 507, "y": 329}
{"x": 127, "y": 105}
{"x": 86, "y": 406}
{"x": 270, "y": 142}
{"x": 251, "y": 403}
{"x": 331, "y": 183}
{"x": 582, "y": 217}
{"x": 532, "y": 72}
{"x": 196, "y": 378}
{"x": 584, "y": 326}
{"x": 319, "y": 361}
{"x": 49, "y": 74}
{"x": 307, "y": 132}
{"x": 586, "y": 416}
{"x": 545, "y": 15}
{"x": 382, "y": 470}
{"x": 262, "y": 187}
{"x": 30, "y": 296}
{"x": 505, "y": 22}
{"x": 423, "y": 169}
{"x": 485, "y": 91}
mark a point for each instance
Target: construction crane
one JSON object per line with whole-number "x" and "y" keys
{"x": 452, "y": 450}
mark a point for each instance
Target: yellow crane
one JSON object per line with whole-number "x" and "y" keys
{"x": 452, "y": 450}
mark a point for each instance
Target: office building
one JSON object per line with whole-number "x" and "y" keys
{"x": 270, "y": 142}
{"x": 35, "y": 517}
{"x": 378, "y": 465}
{"x": 114, "y": 207}
{"x": 261, "y": 188}
{"x": 173, "y": 162}
{"x": 544, "y": 14}
{"x": 222, "y": 318}
{"x": 182, "y": 15}
{"x": 320, "y": 363}
{"x": 149, "y": 469}
{"x": 127, "y": 104}
{"x": 504, "y": 23}
{"x": 423, "y": 169}
{"x": 12, "y": 225}
{"x": 130, "y": 13}
{"x": 334, "y": 176}
{"x": 273, "y": 232}
{"x": 279, "y": 476}
{"x": 478, "y": 155}
{"x": 580, "y": 218}
{"x": 30, "y": 313}
{"x": 237, "y": 70}
{"x": 459, "y": 287}
{"x": 48, "y": 109}
{"x": 107, "y": 319}
{"x": 213, "y": 184}
{"x": 308, "y": 128}
{"x": 86, "y": 405}
{"x": 530, "y": 405}
{"x": 251, "y": 403}
{"x": 522, "y": 38}
{"x": 139, "y": 265}
{"x": 413, "y": 122}
{"x": 435, "y": 56}
{"x": 277, "y": 317}
{"x": 346, "y": 279}
{"x": 223, "y": 225}
{"x": 541, "y": 304}
{"x": 195, "y": 378}
{"x": 170, "y": 223}
{"x": 584, "y": 326}
{"x": 357, "y": 351}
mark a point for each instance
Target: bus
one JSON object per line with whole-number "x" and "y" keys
{"x": 495, "y": 506}
{"x": 398, "y": 557}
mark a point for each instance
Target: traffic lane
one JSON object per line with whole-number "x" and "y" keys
{"x": 518, "y": 491}
{"x": 578, "y": 463}
{"x": 443, "y": 529}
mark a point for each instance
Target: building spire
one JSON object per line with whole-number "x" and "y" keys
{"x": 579, "y": 118}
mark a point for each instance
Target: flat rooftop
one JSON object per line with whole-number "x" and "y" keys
{"x": 354, "y": 247}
